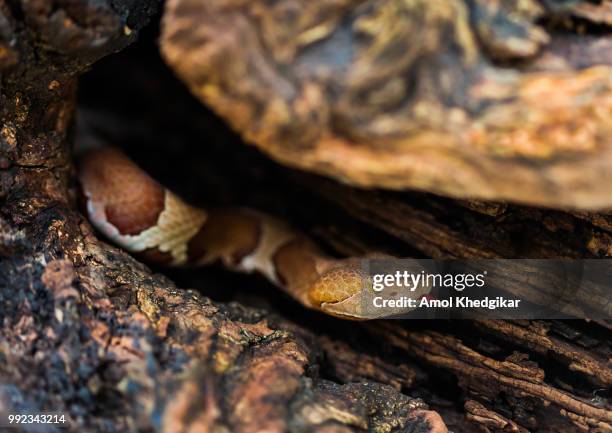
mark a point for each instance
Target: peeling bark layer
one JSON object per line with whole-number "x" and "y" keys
{"x": 461, "y": 98}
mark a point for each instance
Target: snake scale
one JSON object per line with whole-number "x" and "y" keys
{"x": 137, "y": 213}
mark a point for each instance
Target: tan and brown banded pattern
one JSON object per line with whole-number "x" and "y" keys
{"x": 140, "y": 215}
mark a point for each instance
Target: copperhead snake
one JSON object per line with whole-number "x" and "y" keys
{"x": 140, "y": 215}
{"x": 143, "y": 217}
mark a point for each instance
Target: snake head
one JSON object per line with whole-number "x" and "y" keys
{"x": 338, "y": 291}
{"x": 345, "y": 289}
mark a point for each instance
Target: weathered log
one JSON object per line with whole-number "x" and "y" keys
{"x": 88, "y": 332}
{"x": 468, "y": 99}
{"x": 519, "y": 393}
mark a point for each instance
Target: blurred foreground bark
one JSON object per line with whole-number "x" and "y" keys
{"x": 461, "y": 98}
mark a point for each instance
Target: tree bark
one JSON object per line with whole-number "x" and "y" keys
{"x": 461, "y": 98}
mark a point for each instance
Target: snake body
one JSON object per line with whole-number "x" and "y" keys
{"x": 140, "y": 215}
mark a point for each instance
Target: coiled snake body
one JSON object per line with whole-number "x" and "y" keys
{"x": 138, "y": 214}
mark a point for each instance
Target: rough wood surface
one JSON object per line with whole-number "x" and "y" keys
{"x": 463, "y": 98}
{"x": 520, "y": 393}
{"x": 89, "y": 332}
